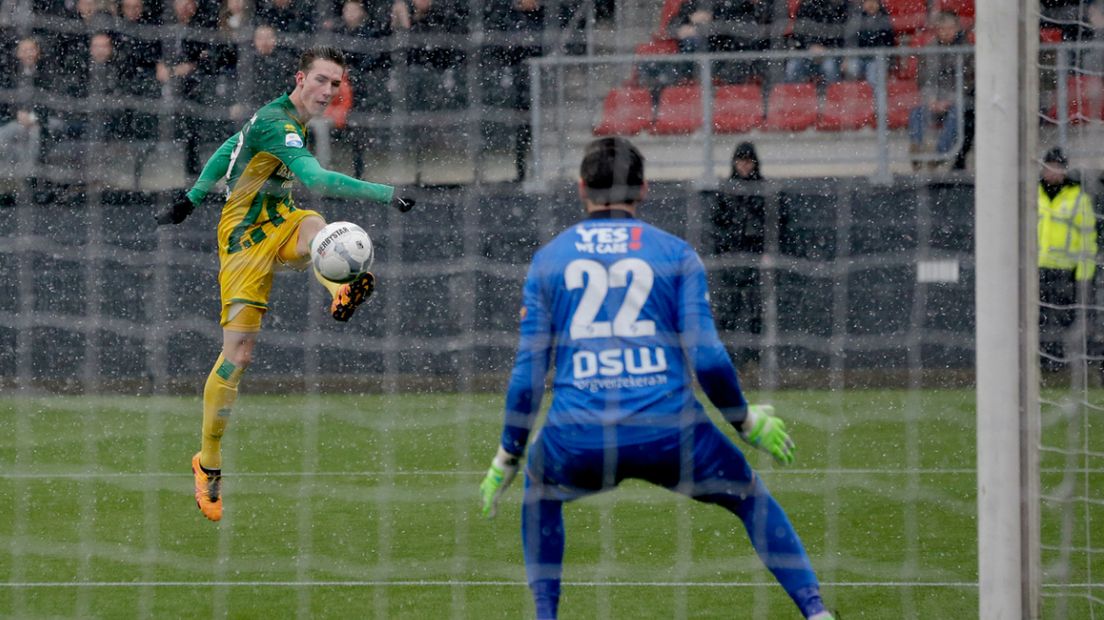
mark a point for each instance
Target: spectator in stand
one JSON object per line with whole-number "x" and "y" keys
{"x": 725, "y": 26}
{"x": 235, "y": 24}
{"x": 869, "y": 27}
{"x": 368, "y": 75}
{"x": 818, "y": 28}
{"x": 23, "y": 136}
{"x": 514, "y": 30}
{"x": 939, "y": 92}
{"x": 136, "y": 62}
{"x": 738, "y": 225}
{"x": 738, "y": 213}
{"x": 289, "y": 16}
{"x": 98, "y": 86}
{"x": 71, "y": 50}
{"x": 188, "y": 65}
{"x": 267, "y": 76}
{"x": 434, "y": 71}
{"x": 368, "y": 71}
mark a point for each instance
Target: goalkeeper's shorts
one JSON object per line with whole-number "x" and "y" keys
{"x": 245, "y": 276}
{"x": 698, "y": 461}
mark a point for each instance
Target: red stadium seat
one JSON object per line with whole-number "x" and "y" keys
{"x": 679, "y": 110}
{"x": 847, "y": 106}
{"x": 1085, "y": 95}
{"x": 791, "y": 107}
{"x": 901, "y": 97}
{"x": 963, "y": 8}
{"x": 1048, "y": 34}
{"x": 737, "y": 108}
{"x": 627, "y": 111}
{"x": 907, "y": 16}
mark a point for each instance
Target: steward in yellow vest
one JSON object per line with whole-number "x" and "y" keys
{"x": 1067, "y": 225}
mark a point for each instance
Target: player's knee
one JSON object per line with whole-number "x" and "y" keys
{"x": 241, "y": 358}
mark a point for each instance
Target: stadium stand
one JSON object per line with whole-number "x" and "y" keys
{"x": 737, "y": 108}
{"x": 791, "y": 107}
{"x": 908, "y": 16}
{"x": 901, "y": 97}
{"x": 847, "y": 106}
{"x": 627, "y": 111}
{"x": 1085, "y": 98}
{"x": 679, "y": 110}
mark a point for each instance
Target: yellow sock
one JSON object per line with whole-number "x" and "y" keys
{"x": 219, "y": 394}
{"x": 330, "y": 286}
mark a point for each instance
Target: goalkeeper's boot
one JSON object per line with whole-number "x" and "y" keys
{"x": 351, "y": 295}
{"x": 208, "y": 490}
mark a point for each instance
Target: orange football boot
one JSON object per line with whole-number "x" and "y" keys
{"x": 208, "y": 490}
{"x": 351, "y": 295}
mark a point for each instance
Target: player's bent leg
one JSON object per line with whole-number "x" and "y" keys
{"x": 542, "y": 535}
{"x": 723, "y": 477}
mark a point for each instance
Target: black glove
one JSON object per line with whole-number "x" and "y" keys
{"x": 402, "y": 204}
{"x": 180, "y": 209}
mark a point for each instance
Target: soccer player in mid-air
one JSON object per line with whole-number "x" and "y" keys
{"x": 260, "y": 230}
{"x": 622, "y": 308}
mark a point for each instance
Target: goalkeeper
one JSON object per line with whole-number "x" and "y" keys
{"x": 623, "y": 309}
{"x": 261, "y": 229}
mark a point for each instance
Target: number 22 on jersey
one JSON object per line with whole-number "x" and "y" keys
{"x": 598, "y": 281}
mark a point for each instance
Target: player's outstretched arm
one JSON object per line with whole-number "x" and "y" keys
{"x": 766, "y": 431}
{"x": 185, "y": 202}
{"x": 330, "y": 183}
{"x": 501, "y": 473}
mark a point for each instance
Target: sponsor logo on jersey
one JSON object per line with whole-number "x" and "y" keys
{"x": 293, "y": 140}
{"x": 608, "y": 239}
{"x": 618, "y": 362}
{"x": 289, "y": 127}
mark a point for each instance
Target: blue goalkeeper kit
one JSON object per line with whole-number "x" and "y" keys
{"x": 620, "y": 309}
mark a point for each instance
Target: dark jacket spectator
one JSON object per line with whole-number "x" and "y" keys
{"x": 268, "y": 75}
{"x": 725, "y": 26}
{"x": 290, "y": 16}
{"x": 818, "y": 27}
{"x": 869, "y": 27}
{"x": 435, "y": 75}
{"x": 31, "y": 122}
{"x": 938, "y": 78}
{"x": 368, "y": 71}
{"x": 514, "y": 30}
{"x": 136, "y": 55}
{"x": 738, "y": 225}
{"x": 738, "y": 216}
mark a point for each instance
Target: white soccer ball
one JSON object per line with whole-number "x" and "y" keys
{"x": 341, "y": 251}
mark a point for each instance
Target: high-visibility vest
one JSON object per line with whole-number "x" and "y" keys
{"x": 1067, "y": 231}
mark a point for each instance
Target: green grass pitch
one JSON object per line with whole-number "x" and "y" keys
{"x": 366, "y": 507}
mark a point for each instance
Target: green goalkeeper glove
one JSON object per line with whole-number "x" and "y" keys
{"x": 762, "y": 429}
{"x": 501, "y": 473}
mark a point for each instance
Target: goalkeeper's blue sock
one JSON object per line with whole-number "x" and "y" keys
{"x": 542, "y": 535}
{"x": 546, "y": 595}
{"x": 777, "y": 544}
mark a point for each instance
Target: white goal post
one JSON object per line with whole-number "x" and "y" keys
{"x": 1007, "y": 312}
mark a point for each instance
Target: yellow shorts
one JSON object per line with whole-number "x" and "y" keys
{"x": 245, "y": 277}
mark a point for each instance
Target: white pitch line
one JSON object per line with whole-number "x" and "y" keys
{"x": 450, "y": 473}
{"x": 450, "y": 583}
